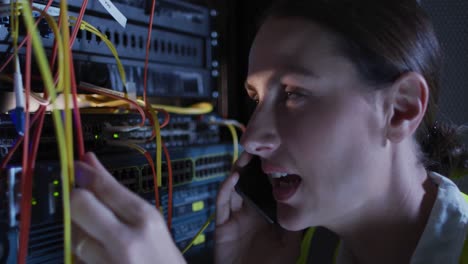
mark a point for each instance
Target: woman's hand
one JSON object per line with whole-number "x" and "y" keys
{"x": 113, "y": 225}
{"x": 243, "y": 235}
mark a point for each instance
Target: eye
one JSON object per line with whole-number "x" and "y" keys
{"x": 292, "y": 93}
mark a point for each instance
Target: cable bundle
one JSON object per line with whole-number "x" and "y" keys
{"x": 58, "y": 77}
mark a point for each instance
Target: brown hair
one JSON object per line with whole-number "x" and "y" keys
{"x": 385, "y": 39}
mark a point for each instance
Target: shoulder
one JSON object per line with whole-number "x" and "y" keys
{"x": 445, "y": 232}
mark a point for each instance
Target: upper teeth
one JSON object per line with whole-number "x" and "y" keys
{"x": 278, "y": 174}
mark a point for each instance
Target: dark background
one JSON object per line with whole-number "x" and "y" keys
{"x": 237, "y": 23}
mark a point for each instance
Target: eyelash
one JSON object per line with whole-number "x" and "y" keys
{"x": 289, "y": 94}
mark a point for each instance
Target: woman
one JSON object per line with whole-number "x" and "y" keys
{"x": 342, "y": 90}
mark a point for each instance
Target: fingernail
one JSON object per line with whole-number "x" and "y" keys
{"x": 88, "y": 157}
{"x": 235, "y": 178}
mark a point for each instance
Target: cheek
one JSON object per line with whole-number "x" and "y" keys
{"x": 330, "y": 131}
{"x": 331, "y": 147}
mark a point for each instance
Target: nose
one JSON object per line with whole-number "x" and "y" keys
{"x": 261, "y": 135}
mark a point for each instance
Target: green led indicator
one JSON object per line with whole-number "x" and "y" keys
{"x": 96, "y": 136}
{"x": 116, "y": 135}
{"x": 34, "y": 202}
{"x": 56, "y": 194}
{"x": 56, "y": 182}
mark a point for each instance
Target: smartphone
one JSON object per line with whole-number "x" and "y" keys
{"x": 254, "y": 187}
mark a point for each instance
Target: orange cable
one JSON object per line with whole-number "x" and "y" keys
{"x": 24, "y": 40}
{"x": 169, "y": 186}
{"x": 148, "y": 46}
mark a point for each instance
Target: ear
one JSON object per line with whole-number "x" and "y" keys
{"x": 408, "y": 102}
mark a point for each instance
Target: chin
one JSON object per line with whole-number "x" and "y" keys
{"x": 290, "y": 218}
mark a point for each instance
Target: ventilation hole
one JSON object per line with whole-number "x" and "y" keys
{"x": 182, "y": 50}
{"x": 163, "y": 46}
{"x": 169, "y": 47}
{"x": 71, "y": 30}
{"x": 176, "y": 49}
{"x": 89, "y": 36}
{"x": 79, "y": 36}
{"x": 108, "y": 34}
{"x": 116, "y": 38}
{"x": 133, "y": 41}
{"x": 194, "y": 51}
{"x": 189, "y": 51}
{"x": 155, "y": 45}
{"x": 98, "y": 39}
{"x": 125, "y": 40}
{"x": 140, "y": 42}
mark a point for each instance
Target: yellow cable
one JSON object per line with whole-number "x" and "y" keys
{"x": 235, "y": 142}
{"x": 207, "y": 223}
{"x": 88, "y": 27}
{"x": 157, "y": 130}
{"x": 60, "y": 48}
{"x": 66, "y": 185}
{"x": 67, "y": 87}
{"x": 49, "y": 85}
{"x": 100, "y": 103}
{"x": 14, "y": 28}
{"x": 231, "y": 125}
{"x": 195, "y": 109}
{"x": 128, "y": 144}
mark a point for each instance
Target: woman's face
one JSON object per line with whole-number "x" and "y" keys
{"x": 315, "y": 120}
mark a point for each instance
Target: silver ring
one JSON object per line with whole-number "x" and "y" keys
{"x": 80, "y": 246}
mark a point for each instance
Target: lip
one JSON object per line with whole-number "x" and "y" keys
{"x": 270, "y": 168}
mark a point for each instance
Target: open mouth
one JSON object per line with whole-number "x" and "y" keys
{"x": 284, "y": 185}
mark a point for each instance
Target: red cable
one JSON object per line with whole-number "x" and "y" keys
{"x": 155, "y": 179}
{"x": 78, "y": 23}
{"x": 26, "y": 178}
{"x": 20, "y": 139}
{"x": 169, "y": 185}
{"x": 76, "y": 109}
{"x": 137, "y": 107}
{"x": 37, "y": 136}
{"x": 76, "y": 112}
{"x": 24, "y": 40}
{"x": 167, "y": 118}
{"x": 148, "y": 46}
{"x": 53, "y": 56}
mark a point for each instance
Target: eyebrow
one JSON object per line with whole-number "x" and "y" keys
{"x": 297, "y": 70}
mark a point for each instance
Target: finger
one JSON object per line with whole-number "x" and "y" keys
{"x": 93, "y": 217}
{"x": 243, "y": 160}
{"x": 94, "y": 177}
{"x": 236, "y": 202}
{"x": 223, "y": 207}
{"x": 85, "y": 248}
